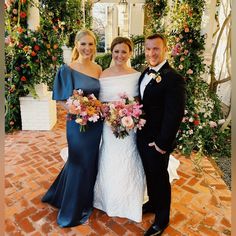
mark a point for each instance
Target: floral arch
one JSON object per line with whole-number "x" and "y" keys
{"x": 33, "y": 56}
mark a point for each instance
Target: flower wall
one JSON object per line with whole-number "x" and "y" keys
{"x": 201, "y": 126}
{"x": 33, "y": 57}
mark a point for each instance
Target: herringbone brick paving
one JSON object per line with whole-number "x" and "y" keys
{"x": 201, "y": 201}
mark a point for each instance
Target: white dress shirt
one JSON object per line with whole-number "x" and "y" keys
{"x": 148, "y": 78}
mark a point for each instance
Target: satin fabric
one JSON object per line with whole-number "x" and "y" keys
{"x": 72, "y": 190}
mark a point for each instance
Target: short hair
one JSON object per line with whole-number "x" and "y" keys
{"x": 156, "y": 36}
{"x": 119, "y": 40}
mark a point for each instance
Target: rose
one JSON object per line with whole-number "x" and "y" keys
{"x": 36, "y": 47}
{"x": 212, "y": 124}
{"x": 127, "y": 122}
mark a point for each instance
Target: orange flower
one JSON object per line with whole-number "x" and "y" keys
{"x": 20, "y": 30}
{"x": 91, "y": 111}
{"x": 55, "y": 46}
{"x": 33, "y": 54}
{"x": 26, "y": 48}
{"x": 23, "y": 1}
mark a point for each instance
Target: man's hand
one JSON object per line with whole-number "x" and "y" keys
{"x": 156, "y": 147}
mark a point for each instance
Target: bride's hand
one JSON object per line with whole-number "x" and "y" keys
{"x": 156, "y": 147}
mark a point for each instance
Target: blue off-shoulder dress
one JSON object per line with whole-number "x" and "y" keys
{"x": 72, "y": 191}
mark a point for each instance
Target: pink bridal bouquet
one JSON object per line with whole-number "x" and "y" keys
{"x": 123, "y": 115}
{"x": 85, "y": 108}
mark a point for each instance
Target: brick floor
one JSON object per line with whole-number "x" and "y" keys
{"x": 201, "y": 201}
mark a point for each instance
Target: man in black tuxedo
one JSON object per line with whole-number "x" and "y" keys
{"x": 162, "y": 92}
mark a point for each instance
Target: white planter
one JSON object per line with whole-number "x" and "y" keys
{"x": 41, "y": 90}
{"x": 38, "y": 113}
{"x": 66, "y": 54}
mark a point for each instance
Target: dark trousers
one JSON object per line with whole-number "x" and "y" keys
{"x": 158, "y": 185}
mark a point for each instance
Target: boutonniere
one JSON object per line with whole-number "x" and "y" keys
{"x": 156, "y": 76}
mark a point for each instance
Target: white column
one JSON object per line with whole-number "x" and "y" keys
{"x": 37, "y": 113}
{"x": 114, "y": 24}
{"x": 33, "y": 18}
{"x": 208, "y": 28}
{"x": 136, "y": 19}
{"x": 111, "y": 27}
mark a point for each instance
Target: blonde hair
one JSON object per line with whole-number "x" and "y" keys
{"x": 119, "y": 40}
{"x": 79, "y": 35}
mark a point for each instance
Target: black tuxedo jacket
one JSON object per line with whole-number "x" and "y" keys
{"x": 163, "y": 105}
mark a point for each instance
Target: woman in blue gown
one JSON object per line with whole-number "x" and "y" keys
{"x": 72, "y": 191}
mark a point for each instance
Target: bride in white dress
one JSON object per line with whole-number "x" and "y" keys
{"x": 120, "y": 188}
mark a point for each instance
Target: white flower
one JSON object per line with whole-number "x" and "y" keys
{"x": 152, "y": 75}
{"x": 191, "y": 119}
{"x": 94, "y": 118}
{"x": 220, "y": 122}
{"x": 156, "y": 76}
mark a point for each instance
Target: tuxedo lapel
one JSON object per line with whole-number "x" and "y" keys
{"x": 164, "y": 68}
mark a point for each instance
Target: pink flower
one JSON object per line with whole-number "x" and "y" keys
{"x": 8, "y": 40}
{"x": 123, "y": 115}
{"x": 54, "y": 58}
{"x": 141, "y": 123}
{"x": 127, "y": 122}
{"x": 189, "y": 72}
{"x": 14, "y": 11}
{"x": 84, "y": 108}
{"x": 186, "y": 52}
{"x": 176, "y": 50}
{"x": 212, "y": 124}
{"x": 186, "y": 29}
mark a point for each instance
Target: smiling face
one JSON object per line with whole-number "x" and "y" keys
{"x": 155, "y": 51}
{"x": 121, "y": 53}
{"x": 86, "y": 47}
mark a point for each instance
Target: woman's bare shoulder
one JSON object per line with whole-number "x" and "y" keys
{"x": 107, "y": 72}
{"x": 132, "y": 70}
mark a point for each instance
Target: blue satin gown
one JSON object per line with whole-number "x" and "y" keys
{"x": 72, "y": 191}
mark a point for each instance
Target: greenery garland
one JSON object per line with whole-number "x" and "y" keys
{"x": 200, "y": 128}
{"x": 33, "y": 57}
{"x": 155, "y": 10}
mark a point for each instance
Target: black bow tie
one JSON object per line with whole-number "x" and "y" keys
{"x": 151, "y": 71}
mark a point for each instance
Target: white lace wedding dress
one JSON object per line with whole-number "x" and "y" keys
{"x": 120, "y": 188}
